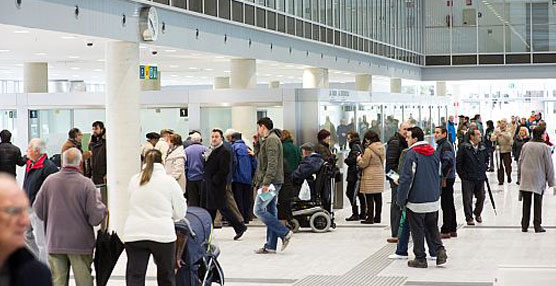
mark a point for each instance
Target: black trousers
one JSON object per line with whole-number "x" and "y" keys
{"x": 374, "y": 206}
{"x": 537, "y": 211}
{"x": 193, "y": 193}
{"x": 419, "y": 224}
{"x": 138, "y": 254}
{"x": 449, "y": 223}
{"x": 491, "y": 157}
{"x": 470, "y": 188}
{"x": 352, "y": 193}
{"x": 242, "y": 194}
{"x": 395, "y": 212}
{"x": 232, "y": 218}
{"x": 505, "y": 163}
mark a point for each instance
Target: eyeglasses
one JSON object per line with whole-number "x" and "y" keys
{"x": 17, "y": 211}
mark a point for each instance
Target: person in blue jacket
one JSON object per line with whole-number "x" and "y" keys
{"x": 451, "y": 126}
{"x": 309, "y": 165}
{"x": 419, "y": 192}
{"x": 245, "y": 166}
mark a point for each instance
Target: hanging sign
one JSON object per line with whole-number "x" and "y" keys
{"x": 148, "y": 72}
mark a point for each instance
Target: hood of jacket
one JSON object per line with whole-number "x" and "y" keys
{"x": 353, "y": 142}
{"x": 423, "y": 148}
{"x": 378, "y": 148}
{"x": 278, "y": 132}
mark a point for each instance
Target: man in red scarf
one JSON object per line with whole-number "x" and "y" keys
{"x": 38, "y": 168}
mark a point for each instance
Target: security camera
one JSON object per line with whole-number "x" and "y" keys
{"x": 90, "y": 44}
{"x": 154, "y": 52}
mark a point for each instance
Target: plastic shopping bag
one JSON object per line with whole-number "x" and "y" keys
{"x": 305, "y": 192}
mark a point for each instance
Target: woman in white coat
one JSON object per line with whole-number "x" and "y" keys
{"x": 155, "y": 202}
{"x": 175, "y": 160}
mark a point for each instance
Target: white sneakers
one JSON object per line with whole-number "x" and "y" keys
{"x": 396, "y": 256}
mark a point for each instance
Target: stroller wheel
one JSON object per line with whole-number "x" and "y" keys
{"x": 320, "y": 222}
{"x": 294, "y": 225}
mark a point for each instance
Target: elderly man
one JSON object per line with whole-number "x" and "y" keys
{"x": 17, "y": 265}
{"x": 39, "y": 167}
{"x": 72, "y": 205}
{"x": 503, "y": 137}
{"x": 194, "y": 170}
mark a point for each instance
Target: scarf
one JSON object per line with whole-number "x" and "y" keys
{"x": 211, "y": 148}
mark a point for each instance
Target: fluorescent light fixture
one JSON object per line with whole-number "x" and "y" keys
{"x": 174, "y": 75}
{"x": 75, "y": 75}
{"x": 98, "y": 70}
{"x": 21, "y": 32}
{"x": 170, "y": 51}
{"x": 227, "y": 71}
{"x": 208, "y": 69}
{"x": 40, "y": 54}
{"x": 68, "y": 37}
{"x": 4, "y": 51}
{"x": 101, "y": 60}
{"x": 189, "y": 76}
{"x": 174, "y": 66}
{"x": 73, "y": 57}
{"x": 75, "y": 68}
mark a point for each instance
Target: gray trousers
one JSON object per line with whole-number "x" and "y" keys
{"x": 395, "y": 212}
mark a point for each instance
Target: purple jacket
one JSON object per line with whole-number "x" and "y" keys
{"x": 70, "y": 206}
{"x": 194, "y": 161}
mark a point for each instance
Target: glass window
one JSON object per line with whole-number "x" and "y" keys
{"x": 306, "y": 9}
{"x": 281, "y": 23}
{"x": 348, "y": 16}
{"x": 196, "y": 6}
{"x": 517, "y": 35}
{"x": 316, "y": 32}
{"x": 299, "y": 29}
{"x": 156, "y": 119}
{"x": 271, "y": 20}
{"x": 52, "y": 126}
{"x": 291, "y": 26}
{"x": 315, "y": 10}
{"x": 210, "y": 7}
{"x": 180, "y": 3}
{"x": 491, "y": 27}
{"x": 290, "y": 7}
{"x": 237, "y": 11}
{"x": 224, "y": 9}
{"x": 308, "y": 28}
{"x": 298, "y": 8}
{"x": 281, "y": 5}
{"x": 336, "y": 9}
{"x": 249, "y": 15}
{"x": 261, "y": 17}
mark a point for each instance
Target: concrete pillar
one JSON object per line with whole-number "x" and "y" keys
{"x": 440, "y": 88}
{"x": 122, "y": 117}
{"x": 35, "y": 77}
{"x": 396, "y": 85}
{"x": 244, "y": 76}
{"x": 243, "y": 73}
{"x": 274, "y": 84}
{"x": 151, "y": 84}
{"x": 364, "y": 82}
{"x": 221, "y": 82}
{"x": 315, "y": 78}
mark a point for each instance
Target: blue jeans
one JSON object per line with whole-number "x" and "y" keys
{"x": 267, "y": 212}
{"x": 403, "y": 241}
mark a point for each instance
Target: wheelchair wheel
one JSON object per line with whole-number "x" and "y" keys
{"x": 294, "y": 225}
{"x": 320, "y": 222}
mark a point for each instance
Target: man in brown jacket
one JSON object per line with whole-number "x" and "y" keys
{"x": 503, "y": 137}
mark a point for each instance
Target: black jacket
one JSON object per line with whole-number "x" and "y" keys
{"x": 517, "y": 146}
{"x": 323, "y": 149}
{"x": 216, "y": 170}
{"x": 98, "y": 158}
{"x": 35, "y": 175}
{"x": 355, "y": 149}
{"x": 471, "y": 165}
{"x": 25, "y": 270}
{"x": 447, "y": 156}
{"x": 10, "y": 156}
{"x": 396, "y": 145}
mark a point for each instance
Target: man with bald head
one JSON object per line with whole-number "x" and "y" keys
{"x": 396, "y": 145}
{"x": 17, "y": 265}
{"x": 72, "y": 205}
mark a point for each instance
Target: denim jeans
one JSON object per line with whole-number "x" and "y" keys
{"x": 403, "y": 241}
{"x": 267, "y": 212}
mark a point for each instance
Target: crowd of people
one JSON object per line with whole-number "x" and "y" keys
{"x": 236, "y": 182}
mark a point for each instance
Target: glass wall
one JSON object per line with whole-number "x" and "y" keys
{"x": 389, "y": 28}
{"x": 8, "y": 122}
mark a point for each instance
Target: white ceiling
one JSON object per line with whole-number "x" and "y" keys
{"x": 70, "y": 58}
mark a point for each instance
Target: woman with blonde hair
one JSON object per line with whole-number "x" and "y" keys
{"x": 155, "y": 202}
{"x": 520, "y": 139}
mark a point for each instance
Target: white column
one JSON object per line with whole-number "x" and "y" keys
{"x": 364, "y": 82}
{"x": 244, "y": 76}
{"x": 221, "y": 82}
{"x": 315, "y": 78}
{"x": 274, "y": 84}
{"x": 35, "y": 77}
{"x": 396, "y": 85}
{"x": 440, "y": 88}
{"x": 122, "y": 117}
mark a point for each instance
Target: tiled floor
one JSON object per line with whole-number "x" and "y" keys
{"x": 474, "y": 257}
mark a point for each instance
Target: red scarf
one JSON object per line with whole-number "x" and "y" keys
{"x": 37, "y": 165}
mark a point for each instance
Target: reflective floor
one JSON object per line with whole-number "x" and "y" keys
{"x": 354, "y": 254}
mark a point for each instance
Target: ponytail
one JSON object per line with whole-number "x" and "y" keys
{"x": 152, "y": 156}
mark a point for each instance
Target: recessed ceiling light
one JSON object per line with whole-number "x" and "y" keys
{"x": 101, "y": 60}
{"x": 174, "y": 75}
{"x": 75, "y": 75}
{"x": 174, "y": 66}
{"x": 73, "y": 57}
{"x": 189, "y": 76}
{"x": 40, "y": 54}
{"x": 68, "y": 37}
{"x": 18, "y": 65}
{"x": 98, "y": 70}
{"x": 219, "y": 57}
{"x": 208, "y": 69}
{"x": 193, "y": 68}
{"x": 75, "y": 68}
{"x": 227, "y": 71}
{"x": 195, "y": 54}
{"x": 21, "y": 32}
{"x": 4, "y": 51}
{"x": 170, "y": 51}
{"x": 142, "y": 47}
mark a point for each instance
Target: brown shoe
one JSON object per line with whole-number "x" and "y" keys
{"x": 453, "y": 234}
{"x": 445, "y": 235}
{"x": 479, "y": 219}
{"x": 470, "y": 222}
{"x": 392, "y": 240}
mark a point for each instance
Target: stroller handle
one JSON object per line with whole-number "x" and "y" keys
{"x": 188, "y": 224}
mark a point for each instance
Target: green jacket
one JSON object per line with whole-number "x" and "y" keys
{"x": 270, "y": 167}
{"x": 292, "y": 155}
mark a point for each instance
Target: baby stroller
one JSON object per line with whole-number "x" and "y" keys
{"x": 316, "y": 213}
{"x": 200, "y": 266}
